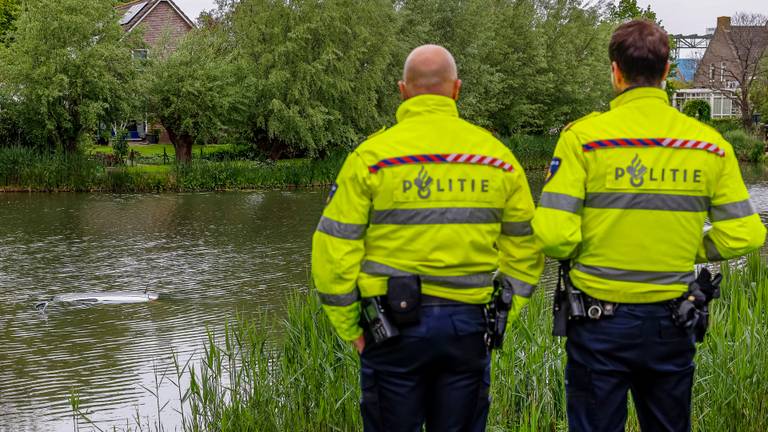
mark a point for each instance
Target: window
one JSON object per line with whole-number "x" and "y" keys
{"x": 717, "y": 108}
{"x": 140, "y": 54}
{"x": 722, "y": 71}
{"x": 712, "y": 72}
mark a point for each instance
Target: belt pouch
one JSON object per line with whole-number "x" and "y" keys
{"x": 404, "y": 299}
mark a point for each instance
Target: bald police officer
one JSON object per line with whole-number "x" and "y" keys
{"x": 420, "y": 217}
{"x": 626, "y": 200}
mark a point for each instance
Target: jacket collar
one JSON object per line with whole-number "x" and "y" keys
{"x": 654, "y": 94}
{"x": 427, "y": 105}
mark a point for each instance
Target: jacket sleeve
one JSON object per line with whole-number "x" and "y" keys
{"x": 338, "y": 247}
{"x": 520, "y": 259}
{"x": 736, "y": 226}
{"x": 558, "y": 218}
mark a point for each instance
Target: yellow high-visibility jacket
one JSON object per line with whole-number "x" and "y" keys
{"x": 627, "y": 197}
{"x": 433, "y": 196}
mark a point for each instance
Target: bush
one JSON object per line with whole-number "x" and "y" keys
{"x": 727, "y": 124}
{"x": 746, "y": 146}
{"x": 698, "y": 109}
{"x": 532, "y": 150}
{"x": 120, "y": 147}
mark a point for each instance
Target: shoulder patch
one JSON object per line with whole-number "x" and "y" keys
{"x": 588, "y": 116}
{"x": 378, "y": 132}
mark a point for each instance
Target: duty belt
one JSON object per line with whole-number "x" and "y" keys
{"x": 571, "y": 304}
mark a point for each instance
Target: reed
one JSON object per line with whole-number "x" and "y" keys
{"x": 306, "y": 379}
{"x": 24, "y": 169}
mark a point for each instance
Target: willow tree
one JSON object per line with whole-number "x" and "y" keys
{"x": 193, "y": 90}
{"x": 9, "y": 11}
{"x": 319, "y": 73}
{"x": 68, "y": 70}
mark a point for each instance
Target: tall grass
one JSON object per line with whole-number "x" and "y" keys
{"x": 307, "y": 379}
{"x": 532, "y": 151}
{"x": 25, "y": 169}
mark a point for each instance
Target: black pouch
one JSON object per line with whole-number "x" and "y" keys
{"x": 404, "y": 299}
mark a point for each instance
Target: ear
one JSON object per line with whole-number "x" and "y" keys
{"x": 618, "y": 77}
{"x": 403, "y": 90}
{"x": 456, "y": 89}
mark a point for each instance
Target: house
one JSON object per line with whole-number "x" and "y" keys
{"x": 721, "y": 68}
{"x": 158, "y": 19}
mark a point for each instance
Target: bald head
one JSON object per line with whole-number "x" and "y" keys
{"x": 430, "y": 69}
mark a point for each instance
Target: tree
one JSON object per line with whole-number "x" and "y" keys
{"x": 528, "y": 66}
{"x": 68, "y": 70}
{"x": 576, "y": 62}
{"x": 9, "y": 11}
{"x": 759, "y": 93}
{"x": 627, "y": 10}
{"x": 743, "y": 66}
{"x": 194, "y": 91}
{"x": 317, "y": 72}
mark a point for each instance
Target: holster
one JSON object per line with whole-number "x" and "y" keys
{"x": 497, "y": 314}
{"x": 691, "y": 311}
{"x": 375, "y": 322}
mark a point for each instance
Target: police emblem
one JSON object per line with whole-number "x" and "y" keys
{"x": 334, "y": 188}
{"x": 554, "y": 166}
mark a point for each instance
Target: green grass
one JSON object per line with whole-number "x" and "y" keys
{"x": 154, "y": 169}
{"x": 150, "y": 150}
{"x": 305, "y": 378}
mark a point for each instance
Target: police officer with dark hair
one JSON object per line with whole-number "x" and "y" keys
{"x": 420, "y": 218}
{"x": 624, "y": 209}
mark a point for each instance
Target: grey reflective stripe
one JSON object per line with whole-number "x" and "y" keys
{"x": 733, "y": 210}
{"x": 477, "y": 280}
{"x": 517, "y": 229}
{"x": 642, "y": 201}
{"x": 339, "y": 299}
{"x": 450, "y": 215}
{"x": 712, "y": 253}
{"x": 341, "y": 230}
{"x": 520, "y": 288}
{"x": 649, "y": 277}
{"x": 560, "y": 201}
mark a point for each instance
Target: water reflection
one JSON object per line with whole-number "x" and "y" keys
{"x": 213, "y": 254}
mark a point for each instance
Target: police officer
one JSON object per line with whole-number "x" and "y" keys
{"x": 442, "y": 203}
{"x": 626, "y": 200}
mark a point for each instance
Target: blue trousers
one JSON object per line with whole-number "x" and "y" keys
{"x": 435, "y": 373}
{"x": 638, "y": 350}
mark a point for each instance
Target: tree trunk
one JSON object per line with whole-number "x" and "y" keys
{"x": 746, "y": 112}
{"x": 182, "y": 143}
{"x": 273, "y": 148}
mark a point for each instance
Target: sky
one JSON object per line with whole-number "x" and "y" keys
{"x": 677, "y": 16}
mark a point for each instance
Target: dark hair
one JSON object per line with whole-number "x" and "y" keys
{"x": 641, "y": 49}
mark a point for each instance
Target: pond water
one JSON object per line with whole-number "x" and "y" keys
{"x": 210, "y": 255}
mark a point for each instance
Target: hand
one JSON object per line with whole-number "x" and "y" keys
{"x": 359, "y": 344}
